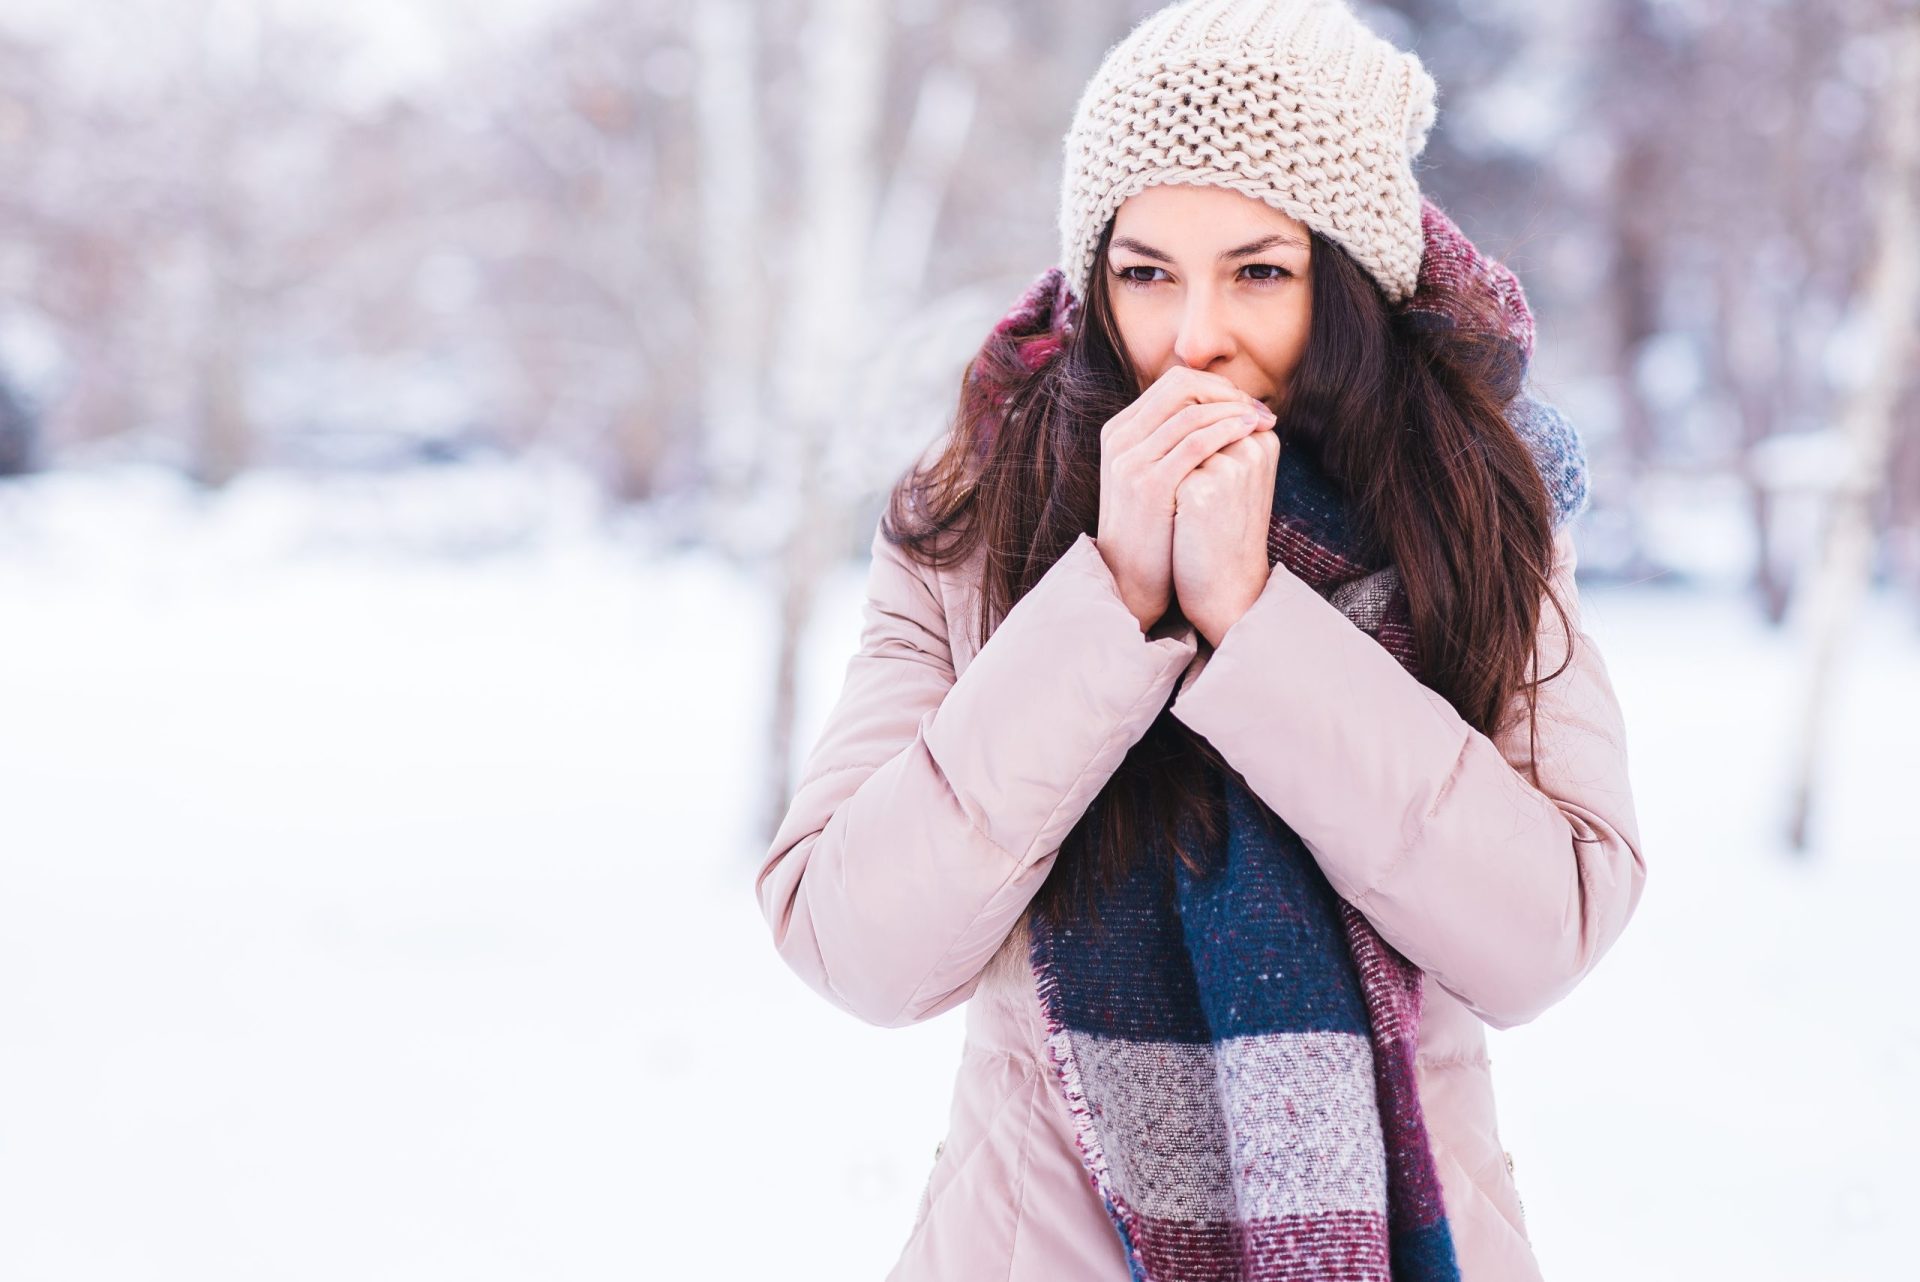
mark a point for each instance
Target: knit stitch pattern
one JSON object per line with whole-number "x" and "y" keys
{"x": 1292, "y": 102}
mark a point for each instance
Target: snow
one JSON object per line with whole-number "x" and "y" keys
{"x": 378, "y": 904}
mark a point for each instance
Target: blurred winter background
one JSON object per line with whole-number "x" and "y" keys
{"x": 440, "y": 446}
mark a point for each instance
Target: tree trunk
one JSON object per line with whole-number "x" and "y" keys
{"x": 1746, "y": 362}
{"x": 730, "y": 326}
{"x": 843, "y": 47}
{"x": 1635, "y": 316}
{"x": 1841, "y": 573}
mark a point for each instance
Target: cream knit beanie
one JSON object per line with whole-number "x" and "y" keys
{"x": 1293, "y": 102}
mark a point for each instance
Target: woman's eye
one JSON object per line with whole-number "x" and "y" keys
{"x": 1278, "y": 272}
{"x": 1126, "y": 274}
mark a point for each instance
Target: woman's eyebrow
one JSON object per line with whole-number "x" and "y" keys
{"x": 1250, "y": 248}
{"x": 1265, "y": 243}
{"x": 1141, "y": 248}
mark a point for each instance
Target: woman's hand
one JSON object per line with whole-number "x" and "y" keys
{"x": 1146, "y": 451}
{"x": 1222, "y": 513}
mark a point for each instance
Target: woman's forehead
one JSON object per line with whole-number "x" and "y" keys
{"x": 1188, "y": 217}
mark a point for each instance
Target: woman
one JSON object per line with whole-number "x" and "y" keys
{"x": 1222, "y": 730}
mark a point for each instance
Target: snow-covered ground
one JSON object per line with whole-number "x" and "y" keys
{"x": 375, "y": 902}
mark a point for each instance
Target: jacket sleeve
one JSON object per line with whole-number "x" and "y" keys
{"x": 930, "y": 809}
{"x": 1506, "y": 894}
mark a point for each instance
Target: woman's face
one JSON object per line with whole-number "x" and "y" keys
{"x": 1207, "y": 277}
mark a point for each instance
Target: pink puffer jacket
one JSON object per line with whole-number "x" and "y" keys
{"x": 939, "y": 791}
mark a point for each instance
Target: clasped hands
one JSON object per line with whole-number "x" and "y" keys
{"x": 1223, "y": 512}
{"x": 1186, "y": 500}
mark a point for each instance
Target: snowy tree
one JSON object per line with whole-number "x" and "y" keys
{"x": 1889, "y": 309}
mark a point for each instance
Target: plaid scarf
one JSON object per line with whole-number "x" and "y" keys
{"x": 1237, "y": 1052}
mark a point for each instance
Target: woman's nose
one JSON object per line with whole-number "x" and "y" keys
{"x": 1203, "y": 337}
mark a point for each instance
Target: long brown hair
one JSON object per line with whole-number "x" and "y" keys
{"x": 1406, "y": 415}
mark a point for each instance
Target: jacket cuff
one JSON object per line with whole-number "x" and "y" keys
{"x": 1048, "y": 708}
